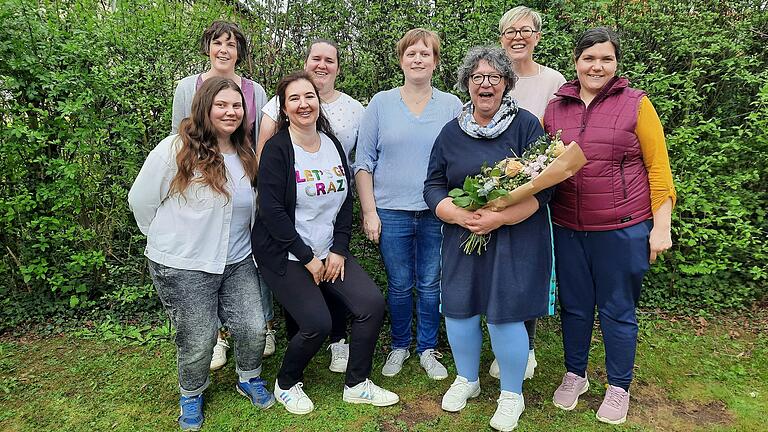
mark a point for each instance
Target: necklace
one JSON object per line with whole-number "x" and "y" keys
{"x": 416, "y": 102}
{"x": 309, "y": 145}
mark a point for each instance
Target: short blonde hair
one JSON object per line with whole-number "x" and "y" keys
{"x": 516, "y": 14}
{"x": 417, "y": 35}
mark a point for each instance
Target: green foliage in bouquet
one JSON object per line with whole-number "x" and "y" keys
{"x": 497, "y": 181}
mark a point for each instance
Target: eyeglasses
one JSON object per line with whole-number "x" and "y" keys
{"x": 493, "y": 79}
{"x": 524, "y": 32}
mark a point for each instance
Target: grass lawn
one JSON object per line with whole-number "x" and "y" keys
{"x": 691, "y": 375}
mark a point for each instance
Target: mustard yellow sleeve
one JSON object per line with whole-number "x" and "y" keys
{"x": 650, "y": 133}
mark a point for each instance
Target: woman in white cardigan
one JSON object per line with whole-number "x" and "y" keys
{"x": 194, "y": 200}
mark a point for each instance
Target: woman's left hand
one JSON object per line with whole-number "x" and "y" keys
{"x": 485, "y": 221}
{"x": 659, "y": 240}
{"x": 334, "y": 267}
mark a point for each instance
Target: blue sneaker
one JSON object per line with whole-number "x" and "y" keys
{"x": 256, "y": 390}
{"x": 191, "y": 418}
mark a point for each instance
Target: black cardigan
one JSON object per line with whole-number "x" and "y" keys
{"x": 274, "y": 231}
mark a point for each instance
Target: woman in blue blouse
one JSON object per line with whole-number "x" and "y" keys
{"x": 394, "y": 141}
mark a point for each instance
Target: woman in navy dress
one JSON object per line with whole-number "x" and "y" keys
{"x": 511, "y": 281}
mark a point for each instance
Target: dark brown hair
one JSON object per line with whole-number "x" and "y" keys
{"x": 323, "y": 125}
{"x": 218, "y": 28}
{"x": 199, "y": 151}
{"x": 595, "y": 36}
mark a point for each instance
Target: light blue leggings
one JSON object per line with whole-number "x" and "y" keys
{"x": 509, "y": 342}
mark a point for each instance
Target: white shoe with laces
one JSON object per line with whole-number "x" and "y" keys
{"x": 510, "y": 407}
{"x": 435, "y": 370}
{"x": 269, "y": 343}
{"x": 455, "y": 399}
{"x": 394, "y": 362}
{"x": 219, "y": 358}
{"x": 294, "y": 399}
{"x": 339, "y": 356}
{"x": 369, "y": 393}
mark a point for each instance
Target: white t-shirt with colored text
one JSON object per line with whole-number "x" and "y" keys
{"x": 321, "y": 188}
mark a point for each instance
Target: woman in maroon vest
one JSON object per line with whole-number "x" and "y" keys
{"x": 611, "y": 219}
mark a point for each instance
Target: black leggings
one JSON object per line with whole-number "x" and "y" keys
{"x": 339, "y": 317}
{"x": 297, "y": 293}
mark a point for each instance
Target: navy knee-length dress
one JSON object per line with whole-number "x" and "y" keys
{"x": 513, "y": 279}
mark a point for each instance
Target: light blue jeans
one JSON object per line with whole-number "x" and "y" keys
{"x": 410, "y": 248}
{"x": 194, "y": 301}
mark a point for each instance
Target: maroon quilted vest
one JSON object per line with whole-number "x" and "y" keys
{"x": 612, "y": 190}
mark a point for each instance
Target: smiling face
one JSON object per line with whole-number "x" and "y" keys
{"x": 418, "y": 62}
{"x": 302, "y": 105}
{"x": 222, "y": 53}
{"x": 596, "y": 66}
{"x": 517, "y": 47}
{"x": 226, "y": 112}
{"x": 323, "y": 64}
{"x": 486, "y": 98}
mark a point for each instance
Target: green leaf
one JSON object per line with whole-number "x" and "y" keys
{"x": 497, "y": 193}
{"x": 454, "y": 193}
{"x": 462, "y": 201}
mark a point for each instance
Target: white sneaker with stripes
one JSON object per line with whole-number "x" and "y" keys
{"x": 369, "y": 393}
{"x": 294, "y": 399}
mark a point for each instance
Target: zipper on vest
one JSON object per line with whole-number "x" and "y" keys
{"x": 623, "y": 179}
{"x": 579, "y": 176}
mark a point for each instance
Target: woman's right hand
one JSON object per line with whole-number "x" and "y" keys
{"x": 316, "y": 269}
{"x": 372, "y": 226}
{"x": 450, "y": 213}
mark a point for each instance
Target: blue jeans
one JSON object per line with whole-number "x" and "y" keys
{"x": 194, "y": 301}
{"x": 410, "y": 248}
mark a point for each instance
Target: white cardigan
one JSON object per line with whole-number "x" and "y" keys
{"x": 187, "y": 234}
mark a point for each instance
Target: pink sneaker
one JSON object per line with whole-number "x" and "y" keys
{"x": 614, "y": 408}
{"x": 567, "y": 395}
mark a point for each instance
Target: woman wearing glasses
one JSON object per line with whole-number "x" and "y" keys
{"x": 520, "y": 32}
{"x": 396, "y": 135}
{"x": 509, "y": 282}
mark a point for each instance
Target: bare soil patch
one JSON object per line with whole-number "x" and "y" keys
{"x": 414, "y": 413}
{"x": 651, "y": 406}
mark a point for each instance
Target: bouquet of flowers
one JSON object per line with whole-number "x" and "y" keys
{"x": 546, "y": 163}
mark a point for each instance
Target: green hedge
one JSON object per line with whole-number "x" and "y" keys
{"x": 86, "y": 93}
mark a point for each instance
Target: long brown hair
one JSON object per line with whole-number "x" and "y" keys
{"x": 199, "y": 151}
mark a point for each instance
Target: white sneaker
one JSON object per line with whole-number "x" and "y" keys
{"x": 494, "y": 370}
{"x": 394, "y": 362}
{"x": 294, "y": 399}
{"x": 339, "y": 356}
{"x": 219, "y": 358}
{"x": 455, "y": 399}
{"x": 369, "y": 393}
{"x": 511, "y": 406}
{"x": 269, "y": 343}
{"x": 434, "y": 368}
{"x": 529, "y": 367}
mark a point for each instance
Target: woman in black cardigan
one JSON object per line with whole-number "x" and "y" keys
{"x": 301, "y": 244}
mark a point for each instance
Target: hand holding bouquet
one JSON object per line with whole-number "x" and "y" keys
{"x": 546, "y": 163}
